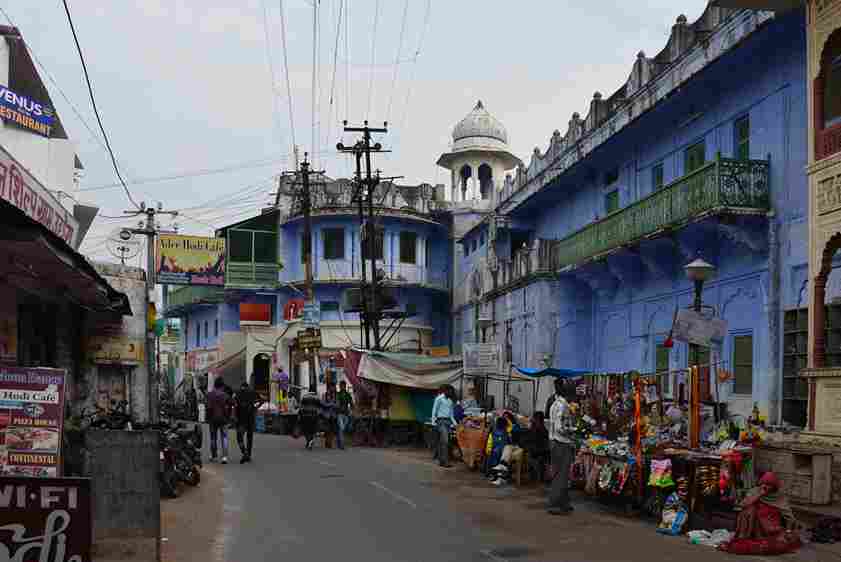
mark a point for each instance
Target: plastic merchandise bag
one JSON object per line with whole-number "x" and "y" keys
{"x": 675, "y": 516}
{"x": 661, "y": 474}
{"x": 707, "y": 538}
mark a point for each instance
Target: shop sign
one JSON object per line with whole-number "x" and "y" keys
{"x": 190, "y": 260}
{"x": 309, "y": 339}
{"x": 31, "y": 421}
{"x": 115, "y": 349}
{"x": 693, "y": 327}
{"x": 438, "y": 351}
{"x": 26, "y": 112}
{"x": 481, "y": 358}
{"x": 312, "y": 315}
{"x": 45, "y": 519}
{"x": 19, "y": 188}
{"x": 255, "y": 314}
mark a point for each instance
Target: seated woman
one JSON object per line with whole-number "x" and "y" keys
{"x": 760, "y": 527}
{"x": 499, "y": 442}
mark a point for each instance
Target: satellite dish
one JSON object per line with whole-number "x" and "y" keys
{"x": 123, "y": 244}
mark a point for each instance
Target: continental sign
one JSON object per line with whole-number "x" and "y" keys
{"x": 190, "y": 260}
{"x": 26, "y": 112}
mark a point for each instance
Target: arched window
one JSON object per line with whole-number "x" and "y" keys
{"x": 464, "y": 180}
{"x": 485, "y": 181}
{"x": 828, "y": 99}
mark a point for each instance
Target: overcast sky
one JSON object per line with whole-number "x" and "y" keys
{"x": 185, "y": 86}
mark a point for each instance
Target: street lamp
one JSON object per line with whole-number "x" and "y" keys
{"x": 698, "y": 271}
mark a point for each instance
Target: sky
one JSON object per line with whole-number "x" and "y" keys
{"x": 193, "y": 93}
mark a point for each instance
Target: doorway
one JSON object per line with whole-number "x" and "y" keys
{"x": 260, "y": 373}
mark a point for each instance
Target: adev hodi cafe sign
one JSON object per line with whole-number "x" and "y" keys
{"x": 45, "y": 519}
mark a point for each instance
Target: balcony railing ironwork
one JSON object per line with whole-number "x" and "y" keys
{"x": 251, "y": 275}
{"x": 723, "y": 185}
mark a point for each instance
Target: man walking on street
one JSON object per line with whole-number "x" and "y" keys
{"x": 442, "y": 417}
{"x": 345, "y": 401}
{"x": 246, "y": 404}
{"x": 560, "y": 437}
{"x": 219, "y": 417}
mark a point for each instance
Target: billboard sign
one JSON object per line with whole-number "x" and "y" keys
{"x": 31, "y": 421}
{"x": 46, "y": 519}
{"x": 693, "y": 327}
{"x": 26, "y": 112}
{"x": 481, "y": 358}
{"x": 115, "y": 349}
{"x": 190, "y": 260}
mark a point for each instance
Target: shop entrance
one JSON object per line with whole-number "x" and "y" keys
{"x": 260, "y": 373}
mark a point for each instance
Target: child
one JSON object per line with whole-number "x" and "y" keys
{"x": 497, "y": 442}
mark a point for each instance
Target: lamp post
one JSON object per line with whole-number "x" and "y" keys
{"x": 698, "y": 271}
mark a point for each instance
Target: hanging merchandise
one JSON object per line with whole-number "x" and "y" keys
{"x": 661, "y": 474}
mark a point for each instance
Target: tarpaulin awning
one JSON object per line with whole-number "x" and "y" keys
{"x": 409, "y": 370}
{"x": 552, "y": 372}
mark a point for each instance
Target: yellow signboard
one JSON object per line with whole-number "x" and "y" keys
{"x": 190, "y": 260}
{"x": 115, "y": 349}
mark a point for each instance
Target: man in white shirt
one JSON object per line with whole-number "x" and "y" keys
{"x": 563, "y": 451}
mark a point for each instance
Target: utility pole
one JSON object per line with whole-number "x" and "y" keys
{"x": 371, "y": 301}
{"x": 149, "y": 230}
{"x": 306, "y": 208}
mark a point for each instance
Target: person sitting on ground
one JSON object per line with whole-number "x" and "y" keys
{"x": 498, "y": 441}
{"x": 760, "y": 527}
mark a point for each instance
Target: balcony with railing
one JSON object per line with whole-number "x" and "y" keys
{"x": 252, "y": 259}
{"x": 719, "y": 187}
{"x": 401, "y": 274}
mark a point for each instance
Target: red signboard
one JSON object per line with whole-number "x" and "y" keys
{"x": 45, "y": 519}
{"x": 31, "y": 421}
{"x": 255, "y": 314}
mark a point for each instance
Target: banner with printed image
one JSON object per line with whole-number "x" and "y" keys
{"x": 31, "y": 421}
{"x": 190, "y": 260}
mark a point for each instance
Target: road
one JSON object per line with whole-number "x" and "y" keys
{"x": 386, "y": 506}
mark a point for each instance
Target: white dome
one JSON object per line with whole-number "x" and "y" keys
{"x": 479, "y": 123}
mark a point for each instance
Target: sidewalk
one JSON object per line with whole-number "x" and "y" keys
{"x": 190, "y": 522}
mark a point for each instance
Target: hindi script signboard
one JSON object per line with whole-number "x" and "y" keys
{"x": 45, "y": 519}
{"x": 31, "y": 421}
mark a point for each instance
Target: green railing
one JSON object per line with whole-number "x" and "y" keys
{"x": 194, "y": 294}
{"x": 251, "y": 275}
{"x": 718, "y": 186}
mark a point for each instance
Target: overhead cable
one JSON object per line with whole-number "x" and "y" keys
{"x": 95, "y": 109}
{"x": 373, "y": 59}
{"x": 286, "y": 73}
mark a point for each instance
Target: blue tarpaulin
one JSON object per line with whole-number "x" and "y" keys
{"x": 557, "y": 373}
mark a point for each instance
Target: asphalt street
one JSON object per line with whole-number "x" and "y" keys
{"x": 385, "y": 505}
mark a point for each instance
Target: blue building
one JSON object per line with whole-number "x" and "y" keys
{"x": 701, "y": 152}
{"x": 247, "y": 329}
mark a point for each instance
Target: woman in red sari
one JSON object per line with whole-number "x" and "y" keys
{"x": 760, "y": 528}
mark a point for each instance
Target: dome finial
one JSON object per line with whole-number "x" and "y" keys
{"x": 479, "y": 105}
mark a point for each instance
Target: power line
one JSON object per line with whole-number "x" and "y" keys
{"x": 397, "y": 59}
{"x": 270, "y": 61}
{"x": 373, "y": 58}
{"x": 93, "y": 103}
{"x": 335, "y": 62}
{"x": 314, "y": 71}
{"x": 286, "y": 72}
{"x": 424, "y": 30}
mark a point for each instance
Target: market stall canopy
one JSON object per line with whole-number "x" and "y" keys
{"x": 409, "y": 370}
{"x": 552, "y": 372}
{"x": 35, "y": 260}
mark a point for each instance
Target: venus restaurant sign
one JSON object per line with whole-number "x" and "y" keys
{"x": 18, "y": 187}
{"x": 45, "y": 519}
{"x": 26, "y": 112}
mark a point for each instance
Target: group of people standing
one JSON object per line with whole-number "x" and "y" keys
{"x": 332, "y": 413}
{"x": 225, "y": 408}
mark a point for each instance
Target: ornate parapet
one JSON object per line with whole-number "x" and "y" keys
{"x": 824, "y": 399}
